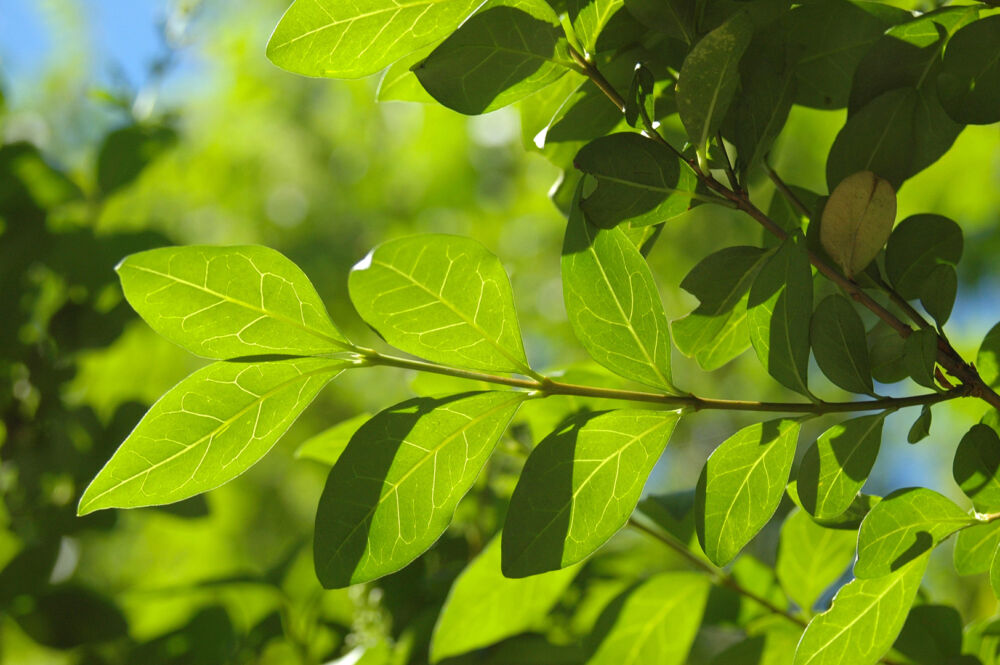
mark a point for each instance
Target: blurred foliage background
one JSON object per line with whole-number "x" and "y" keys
{"x": 129, "y": 124}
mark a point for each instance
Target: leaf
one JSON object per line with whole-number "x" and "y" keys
{"x": 851, "y": 518}
{"x": 932, "y": 635}
{"x": 675, "y": 18}
{"x": 483, "y": 606}
{"x": 837, "y": 465}
{"x": 968, "y": 83}
{"x": 351, "y": 40}
{"x": 505, "y": 51}
{"x": 857, "y": 220}
{"x": 904, "y": 525}
{"x": 444, "y": 298}
{"x": 400, "y": 84}
{"x": 988, "y": 358}
{"x": 126, "y": 152}
{"x": 228, "y": 302}
{"x": 637, "y": 179}
{"x": 896, "y": 135}
{"x": 921, "y": 427}
{"x": 995, "y": 574}
{"x": 741, "y": 486}
{"x": 579, "y": 486}
{"x": 393, "y": 491}
{"x": 612, "y": 302}
{"x": 709, "y": 76}
{"x": 716, "y": 332}
{"x": 838, "y": 341}
{"x": 976, "y": 467}
{"x": 778, "y": 311}
{"x": 916, "y": 247}
{"x": 327, "y": 446}
{"x": 937, "y": 294}
{"x": 657, "y": 623}
{"x": 811, "y": 557}
{"x": 589, "y": 19}
{"x": 206, "y": 430}
{"x": 864, "y": 620}
{"x": 974, "y": 548}
{"x": 921, "y": 356}
{"x": 771, "y": 647}
{"x": 886, "y": 351}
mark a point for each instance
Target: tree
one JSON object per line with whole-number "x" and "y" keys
{"x": 651, "y": 110}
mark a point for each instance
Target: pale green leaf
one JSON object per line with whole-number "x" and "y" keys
{"x": 579, "y": 486}
{"x": 444, "y": 298}
{"x": 741, "y": 486}
{"x": 864, "y": 620}
{"x": 484, "y": 607}
{"x": 657, "y": 622}
{"x": 837, "y": 336}
{"x": 355, "y": 39}
{"x": 206, "y": 430}
{"x": 995, "y": 573}
{"x": 590, "y": 17}
{"x": 811, "y": 557}
{"x": 976, "y": 467}
{"x": 904, "y": 525}
{"x": 974, "y": 548}
{"x": 612, "y": 302}
{"x": 228, "y": 302}
{"x": 327, "y": 446}
{"x": 400, "y": 84}
{"x": 394, "y": 490}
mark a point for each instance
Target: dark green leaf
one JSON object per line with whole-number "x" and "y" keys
{"x": 969, "y": 81}
{"x": 932, "y": 635}
{"x": 672, "y": 512}
{"x": 327, "y": 446}
{"x": 903, "y": 526}
{"x": 835, "y": 468}
{"x": 579, "y": 486}
{"x": 937, "y": 294}
{"x": 988, "y": 358}
{"x": 206, "y": 430}
{"x": 977, "y": 467}
{"x": 920, "y": 356}
{"x": 741, "y": 486}
{"x": 886, "y": 350}
{"x": 445, "y": 298}
{"x": 811, "y": 557}
{"x": 393, "y": 491}
{"x": 505, "y": 51}
{"x": 126, "y": 152}
{"x": 837, "y": 336}
{"x": 849, "y": 519}
{"x": 921, "y": 427}
{"x": 778, "y": 311}
{"x": 916, "y": 247}
{"x": 974, "y": 548}
{"x": 68, "y": 616}
{"x": 675, "y": 18}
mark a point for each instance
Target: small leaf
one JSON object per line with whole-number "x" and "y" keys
{"x": 612, "y": 302}
{"x": 579, "y": 486}
{"x": 444, "y": 298}
{"x": 589, "y": 18}
{"x": 484, "y": 607}
{"x": 811, "y": 557}
{"x": 394, "y": 490}
{"x": 400, "y": 84}
{"x": 974, "y": 548}
{"x": 835, "y": 468}
{"x": 505, "y": 51}
{"x": 228, "y": 302}
{"x": 857, "y": 221}
{"x": 126, "y": 152}
{"x": 778, "y": 310}
{"x": 741, "y": 486}
{"x": 709, "y": 76}
{"x": 838, "y": 341}
{"x": 988, "y": 358}
{"x": 657, "y": 622}
{"x": 849, "y": 519}
{"x": 351, "y": 40}
{"x": 968, "y": 83}
{"x": 916, "y": 247}
{"x": 774, "y": 646}
{"x": 327, "y": 446}
{"x": 638, "y": 180}
{"x": 921, "y": 356}
{"x": 937, "y": 294}
{"x": 675, "y": 19}
{"x": 886, "y": 350}
{"x": 864, "y": 620}
{"x": 932, "y": 635}
{"x": 206, "y": 430}
{"x": 903, "y": 526}
{"x": 921, "y": 427}
{"x": 977, "y": 467}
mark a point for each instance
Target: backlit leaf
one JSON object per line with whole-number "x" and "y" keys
{"x": 327, "y": 446}
{"x": 988, "y": 358}
{"x": 849, "y": 519}
{"x": 838, "y": 341}
{"x": 977, "y": 467}
{"x": 811, "y": 557}
{"x": 974, "y": 548}
{"x": 857, "y": 220}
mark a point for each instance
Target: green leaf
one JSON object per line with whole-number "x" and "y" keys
{"x": 579, "y": 486}
{"x": 612, "y": 302}
{"x": 400, "y": 84}
{"x": 716, "y": 331}
{"x": 886, "y": 351}
{"x": 857, "y": 220}
{"x": 969, "y": 80}
{"x": 937, "y": 294}
{"x": 904, "y": 525}
{"x": 657, "y": 622}
{"x": 920, "y": 356}
{"x": 589, "y": 19}
{"x": 838, "y": 341}
{"x": 976, "y": 467}
{"x": 772, "y": 647}
{"x": 995, "y": 574}
{"x": 637, "y": 179}
{"x": 974, "y": 548}
{"x": 851, "y": 518}
{"x": 864, "y": 620}
{"x": 484, "y": 607}
{"x": 393, "y": 491}
{"x": 228, "y": 302}
{"x": 505, "y": 51}
{"x": 444, "y": 298}
{"x": 921, "y": 427}
{"x": 327, "y": 446}
{"x": 778, "y": 311}
{"x": 206, "y": 430}
{"x": 126, "y": 152}
{"x": 675, "y": 18}
{"x": 835, "y": 468}
{"x": 709, "y": 76}
{"x": 351, "y": 40}
{"x": 896, "y": 135}
{"x": 988, "y": 358}
{"x": 932, "y": 635}
{"x": 916, "y": 247}
{"x": 811, "y": 557}
{"x": 741, "y": 486}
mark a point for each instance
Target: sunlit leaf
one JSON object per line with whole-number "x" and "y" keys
{"x": 327, "y": 446}
{"x": 974, "y": 548}
{"x": 811, "y": 557}
{"x": 849, "y": 519}
{"x": 988, "y": 358}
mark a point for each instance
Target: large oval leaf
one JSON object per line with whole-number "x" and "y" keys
{"x": 811, "y": 557}
{"x": 837, "y": 336}
{"x": 969, "y": 81}
{"x": 916, "y": 247}
{"x": 974, "y": 548}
